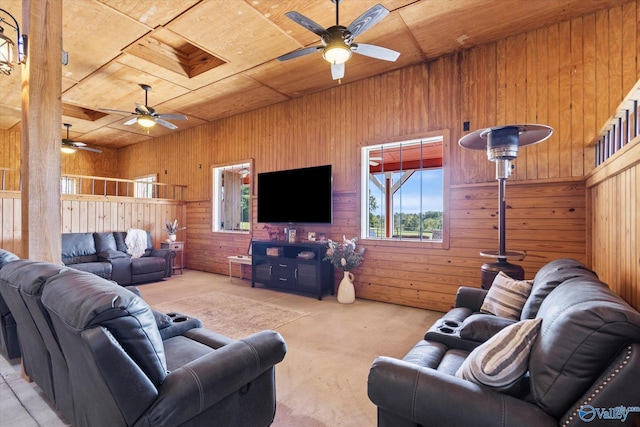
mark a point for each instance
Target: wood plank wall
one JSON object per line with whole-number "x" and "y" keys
{"x": 95, "y": 214}
{"x": 613, "y": 197}
{"x": 569, "y": 75}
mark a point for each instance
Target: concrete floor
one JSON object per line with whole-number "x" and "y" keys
{"x": 322, "y": 381}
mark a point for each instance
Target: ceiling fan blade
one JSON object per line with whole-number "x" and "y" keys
{"x": 376, "y": 52}
{"x": 95, "y": 150}
{"x": 307, "y": 23}
{"x": 166, "y": 124}
{"x": 131, "y": 121}
{"x": 337, "y": 71}
{"x": 116, "y": 111}
{"x": 299, "y": 53}
{"x": 367, "y": 20}
{"x": 171, "y": 116}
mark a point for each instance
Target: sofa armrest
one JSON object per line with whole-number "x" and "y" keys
{"x": 168, "y": 255}
{"x": 470, "y": 298}
{"x": 200, "y": 384}
{"x": 429, "y": 397}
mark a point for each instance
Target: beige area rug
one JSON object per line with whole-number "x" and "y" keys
{"x": 230, "y": 315}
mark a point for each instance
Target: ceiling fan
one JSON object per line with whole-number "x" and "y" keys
{"x": 146, "y": 116}
{"x": 337, "y": 40}
{"x": 69, "y": 146}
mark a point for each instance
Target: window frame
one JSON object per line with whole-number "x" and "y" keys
{"x": 216, "y": 213}
{"x": 65, "y": 182}
{"x": 144, "y": 181}
{"x": 364, "y": 191}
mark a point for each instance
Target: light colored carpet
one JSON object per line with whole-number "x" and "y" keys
{"x": 230, "y": 315}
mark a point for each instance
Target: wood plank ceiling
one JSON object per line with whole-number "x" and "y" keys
{"x": 209, "y": 59}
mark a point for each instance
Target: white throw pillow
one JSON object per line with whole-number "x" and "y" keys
{"x": 501, "y": 361}
{"x": 506, "y": 297}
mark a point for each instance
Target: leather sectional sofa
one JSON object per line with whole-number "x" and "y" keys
{"x": 9, "y": 345}
{"x": 105, "y": 255}
{"x": 104, "y": 358}
{"x": 580, "y": 367}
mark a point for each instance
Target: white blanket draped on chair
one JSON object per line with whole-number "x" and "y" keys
{"x": 136, "y": 242}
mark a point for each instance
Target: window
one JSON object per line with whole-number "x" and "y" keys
{"x": 67, "y": 185}
{"x": 144, "y": 187}
{"x": 231, "y": 197}
{"x": 402, "y": 190}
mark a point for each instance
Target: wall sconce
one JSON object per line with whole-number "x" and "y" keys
{"x": 7, "y": 45}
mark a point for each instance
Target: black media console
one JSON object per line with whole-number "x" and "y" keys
{"x": 294, "y": 267}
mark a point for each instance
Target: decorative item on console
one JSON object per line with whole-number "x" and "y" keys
{"x": 274, "y": 232}
{"x": 172, "y": 228}
{"x": 345, "y": 256}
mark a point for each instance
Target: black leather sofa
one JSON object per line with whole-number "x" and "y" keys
{"x": 104, "y": 358}
{"x": 584, "y": 361}
{"x": 9, "y": 345}
{"x": 105, "y": 255}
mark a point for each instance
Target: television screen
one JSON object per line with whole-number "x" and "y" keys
{"x": 296, "y": 196}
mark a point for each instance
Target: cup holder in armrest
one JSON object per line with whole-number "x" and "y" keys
{"x": 448, "y": 327}
{"x": 450, "y": 323}
{"x": 177, "y": 317}
{"x": 447, "y": 331}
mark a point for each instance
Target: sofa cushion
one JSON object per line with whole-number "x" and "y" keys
{"x": 502, "y": 361}
{"x": 6, "y": 256}
{"x": 111, "y": 254}
{"x": 78, "y": 248}
{"x": 146, "y": 265}
{"x": 119, "y": 237}
{"x": 584, "y": 325}
{"x": 102, "y": 269}
{"x": 506, "y": 297}
{"x": 105, "y": 242}
{"x": 550, "y": 276}
{"x": 481, "y": 327}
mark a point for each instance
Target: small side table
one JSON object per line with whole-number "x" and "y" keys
{"x": 239, "y": 259}
{"x": 178, "y": 247}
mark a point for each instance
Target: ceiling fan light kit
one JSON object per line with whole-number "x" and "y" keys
{"x": 501, "y": 144}
{"x": 146, "y": 121}
{"x": 336, "y": 52}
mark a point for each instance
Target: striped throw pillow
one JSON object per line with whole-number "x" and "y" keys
{"x": 506, "y": 297}
{"x": 501, "y": 361}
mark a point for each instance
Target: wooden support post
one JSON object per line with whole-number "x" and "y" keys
{"x": 41, "y": 130}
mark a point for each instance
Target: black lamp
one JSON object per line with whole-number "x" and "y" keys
{"x": 7, "y": 45}
{"x": 502, "y": 143}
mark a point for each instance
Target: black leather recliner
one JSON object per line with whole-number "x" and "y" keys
{"x": 587, "y": 355}
{"x": 125, "y": 365}
{"x": 9, "y": 345}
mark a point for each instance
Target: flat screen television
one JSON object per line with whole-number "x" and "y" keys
{"x": 296, "y": 196}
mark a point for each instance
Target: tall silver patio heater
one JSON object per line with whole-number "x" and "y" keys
{"x": 502, "y": 143}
